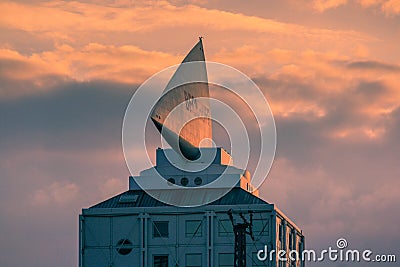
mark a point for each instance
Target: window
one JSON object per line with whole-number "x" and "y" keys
{"x": 225, "y": 259}
{"x": 193, "y": 228}
{"x": 225, "y": 228}
{"x": 160, "y": 261}
{"x": 280, "y": 244}
{"x": 294, "y": 240}
{"x": 280, "y": 232}
{"x": 291, "y": 240}
{"x": 193, "y": 260}
{"x": 160, "y": 229}
{"x": 260, "y": 227}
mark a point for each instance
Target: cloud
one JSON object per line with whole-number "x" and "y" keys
{"x": 111, "y": 187}
{"x": 321, "y": 181}
{"x": 85, "y": 59}
{"x": 391, "y": 7}
{"x": 100, "y": 20}
{"x": 106, "y": 18}
{"x": 56, "y": 193}
{"x": 369, "y": 3}
{"x": 43, "y": 71}
{"x": 373, "y": 65}
{"x": 307, "y": 85}
{"x": 68, "y": 140}
{"x": 58, "y": 152}
{"x": 82, "y": 116}
{"x": 65, "y": 86}
{"x": 387, "y": 7}
{"x": 322, "y": 5}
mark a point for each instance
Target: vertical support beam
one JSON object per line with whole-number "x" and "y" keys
{"x": 210, "y": 238}
{"x": 302, "y": 248}
{"x": 144, "y": 217}
{"x": 110, "y": 247}
{"x": 177, "y": 239}
{"x": 81, "y": 241}
{"x": 285, "y": 243}
{"x": 294, "y": 242}
{"x": 274, "y": 237}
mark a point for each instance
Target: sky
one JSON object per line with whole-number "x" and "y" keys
{"x": 329, "y": 69}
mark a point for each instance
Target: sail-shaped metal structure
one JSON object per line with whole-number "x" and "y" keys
{"x": 182, "y": 114}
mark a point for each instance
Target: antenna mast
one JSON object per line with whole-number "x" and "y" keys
{"x": 240, "y": 231}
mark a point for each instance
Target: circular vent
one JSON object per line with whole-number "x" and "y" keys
{"x": 184, "y": 181}
{"x": 171, "y": 181}
{"x": 124, "y": 246}
{"x": 198, "y": 181}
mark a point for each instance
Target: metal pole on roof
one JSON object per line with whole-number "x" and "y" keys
{"x": 240, "y": 232}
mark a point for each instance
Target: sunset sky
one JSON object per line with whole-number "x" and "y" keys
{"x": 329, "y": 69}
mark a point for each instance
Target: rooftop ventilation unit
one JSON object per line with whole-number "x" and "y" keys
{"x": 128, "y": 198}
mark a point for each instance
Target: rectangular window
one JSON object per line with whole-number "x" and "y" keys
{"x": 160, "y": 261}
{"x": 160, "y": 229}
{"x": 193, "y": 228}
{"x": 193, "y": 260}
{"x": 225, "y": 260}
{"x": 225, "y": 228}
{"x": 290, "y": 237}
{"x": 282, "y": 240}
{"x": 294, "y": 240}
{"x": 280, "y": 232}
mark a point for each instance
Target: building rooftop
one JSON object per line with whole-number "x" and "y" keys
{"x": 139, "y": 198}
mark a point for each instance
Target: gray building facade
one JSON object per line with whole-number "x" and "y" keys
{"x": 136, "y": 229}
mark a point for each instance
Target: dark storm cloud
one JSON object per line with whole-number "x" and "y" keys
{"x": 72, "y": 116}
{"x": 59, "y": 151}
{"x": 373, "y": 65}
{"x": 287, "y": 87}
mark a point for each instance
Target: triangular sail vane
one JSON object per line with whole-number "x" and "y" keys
{"x": 190, "y": 123}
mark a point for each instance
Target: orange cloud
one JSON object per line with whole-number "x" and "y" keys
{"x": 125, "y": 64}
{"x": 306, "y": 67}
{"x": 388, "y": 7}
{"x": 322, "y": 5}
{"x": 391, "y": 7}
{"x": 69, "y": 20}
{"x": 304, "y": 84}
{"x": 369, "y": 3}
{"x": 359, "y": 134}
